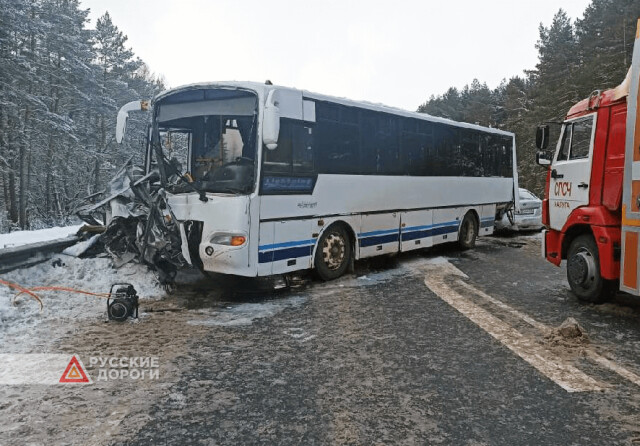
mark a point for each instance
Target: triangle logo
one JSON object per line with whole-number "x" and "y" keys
{"x": 74, "y": 373}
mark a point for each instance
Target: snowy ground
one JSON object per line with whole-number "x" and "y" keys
{"x": 20, "y": 238}
{"x": 93, "y": 275}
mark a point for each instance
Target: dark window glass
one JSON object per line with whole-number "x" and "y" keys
{"x": 581, "y": 140}
{"x": 415, "y": 148}
{"x": 387, "y": 146}
{"x": 506, "y": 157}
{"x": 445, "y": 141}
{"x": 337, "y": 147}
{"x": 380, "y": 144}
{"x": 349, "y": 140}
{"x": 303, "y": 148}
{"x": 327, "y": 112}
{"x": 368, "y": 144}
{"x": 497, "y": 158}
{"x": 566, "y": 141}
{"x": 470, "y": 161}
{"x": 294, "y": 151}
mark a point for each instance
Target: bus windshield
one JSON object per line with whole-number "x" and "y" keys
{"x": 213, "y": 139}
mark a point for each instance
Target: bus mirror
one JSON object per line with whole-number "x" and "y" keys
{"x": 542, "y": 137}
{"x": 271, "y": 126}
{"x": 271, "y": 122}
{"x": 541, "y": 159}
{"x": 123, "y": 115}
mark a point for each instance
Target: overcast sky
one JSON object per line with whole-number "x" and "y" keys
{"x": 394, "y": 52}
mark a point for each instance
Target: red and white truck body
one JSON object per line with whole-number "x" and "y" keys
{"x": 592, "y": 195}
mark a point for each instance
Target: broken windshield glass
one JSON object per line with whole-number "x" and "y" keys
{"x": 212, "y": 141}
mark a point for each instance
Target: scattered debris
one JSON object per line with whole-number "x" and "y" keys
{"x": 139, "y": 223}
{"x": 569, "y": 333}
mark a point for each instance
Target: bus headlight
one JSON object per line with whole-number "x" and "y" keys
{"x": 228, "y": 239}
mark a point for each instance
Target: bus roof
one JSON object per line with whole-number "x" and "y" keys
{"x": 262, "y": 90}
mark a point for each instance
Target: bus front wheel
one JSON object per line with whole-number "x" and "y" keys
{"x": 468, "y": 231}
{"x": 583, "y": 271}
{"x": 333, "y": 253}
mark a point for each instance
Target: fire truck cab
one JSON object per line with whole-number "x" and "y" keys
{"x": 591, "y": 207}
{"x": 581, "y": 209}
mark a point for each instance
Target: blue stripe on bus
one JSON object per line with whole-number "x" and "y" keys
{"x": 282, "y": 254}
{"x": 431, "y": 232}
{"x": 487, "y": 222}
{"x": 304, "y": 248}
{"x": 419, "y": 228}
{"x": 287, "y": 244}
{"x": 379, "y": 240}
{"x": 376, "y": 233}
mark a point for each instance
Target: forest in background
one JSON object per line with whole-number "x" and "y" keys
{"x": 574, "y": 59}
{"x": 61, "y": 85}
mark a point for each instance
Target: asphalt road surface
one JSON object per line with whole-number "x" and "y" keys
{"x": 436, "y": 347}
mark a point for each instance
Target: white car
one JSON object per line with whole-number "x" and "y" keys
{"x": 528, "y": 219}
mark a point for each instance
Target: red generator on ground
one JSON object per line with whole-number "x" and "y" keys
{"x": 591, "y": 208}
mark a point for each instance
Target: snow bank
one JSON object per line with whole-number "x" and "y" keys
{"x": 19, "y": 238}
{"x": 93, "y": 274}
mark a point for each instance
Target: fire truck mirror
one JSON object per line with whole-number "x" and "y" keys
{"x": 542, "y": 137}
{"x": 542, "y": 160}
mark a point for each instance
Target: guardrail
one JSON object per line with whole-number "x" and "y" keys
{"x": 31, "y": 254}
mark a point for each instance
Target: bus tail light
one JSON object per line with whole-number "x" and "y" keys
{"x": 228, "y": 239}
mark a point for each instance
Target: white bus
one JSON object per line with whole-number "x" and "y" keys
{"x": 291, "y": 180}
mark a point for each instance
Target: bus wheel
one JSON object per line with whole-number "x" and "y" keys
{"x": 468, "y": 231}
{"x": 333, "y": 253}
{"x": 583, "y": 271}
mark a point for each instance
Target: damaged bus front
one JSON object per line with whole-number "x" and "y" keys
{"x": 203, "y": 153}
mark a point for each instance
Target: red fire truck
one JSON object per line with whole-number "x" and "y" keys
{"x": 591, "y": 207}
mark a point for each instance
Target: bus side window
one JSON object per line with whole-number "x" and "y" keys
{"x": 280, "y": 158}
{"x": 387, "y": 146}
{"x": 302, "y": 148}
{"x": 446, "y": 144}
{"x": 470, "y": 156}
{"x": 337, "y": 147}
{"x": 294, "y": 152}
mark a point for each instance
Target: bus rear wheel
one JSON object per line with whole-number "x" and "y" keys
{"x": 333, "y": 253}
{"x": 583, "y": 271}
{"x": 468, "y": 231}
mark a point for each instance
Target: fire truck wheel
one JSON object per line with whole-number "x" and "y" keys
{"x": 583, "y": 271}
{"x": 333, "y": 253}
{"x": 468, "y": 231}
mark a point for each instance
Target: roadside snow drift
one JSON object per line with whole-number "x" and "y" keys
{"x": 20, "y": 238}
{"x": 93, "y": 274}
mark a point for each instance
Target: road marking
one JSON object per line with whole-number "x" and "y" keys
{"x": 545, "y": 361}
{"x": 593, "y": 355}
